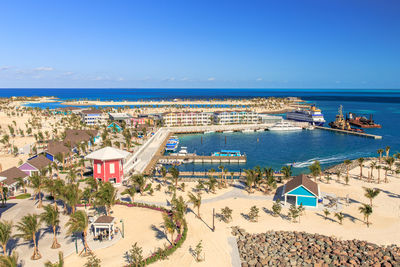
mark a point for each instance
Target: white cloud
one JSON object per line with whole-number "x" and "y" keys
{"x": 259, "y": 79}
{"x": 68, "y": 73}
{"x": 4, "y": 68}
{"x": 43, "y": 69}
{"x": 211, "y": 79}
{"x": 185, "y": 79}
{"x": 170, "y": 79}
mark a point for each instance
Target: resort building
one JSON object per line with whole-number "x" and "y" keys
{"x": 236, "y": 117}
{"x": 115, "y": 127}
{"x": 142, "y": 120}
{"x": 35, "y": 165}
{"x": 93, "y": 117}
{"x": 9, "y": 179}
{"x": 108, "y": 164}
{"x": 302, "y": 191}
{"x": 55, "y": 148}
{"x": 187, "y": 118}
{"x": 120, "y": 117}
{"x": 75, "y": 137}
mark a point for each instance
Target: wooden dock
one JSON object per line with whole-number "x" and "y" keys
{"x": 204, "y": 159}
{"x": 349, "y": 132}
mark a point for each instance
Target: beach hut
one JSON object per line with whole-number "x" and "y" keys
{"x": 104, "y": 225}
{"x": 108, "y": 164}
{"x": 303, "y": 190}
{"x": 35, "y": 164}
{"x": 9, "y": 179}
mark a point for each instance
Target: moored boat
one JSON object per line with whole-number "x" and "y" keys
{"x": 284, "y": 126}
{"x": 312, "y": 115}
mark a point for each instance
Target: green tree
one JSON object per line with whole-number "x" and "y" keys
{"x": 226, "y": 214}
{"x": 326, "y": 213}
{"x": 287, "y": 171}
{"x": 315, "y": 169}
{"x": 196, "y": 201}
{"x": 28, "y": 228}
{"x": 51, "y": 217}
{"x": 250, "y": 179}
{"x": 371, "y": 193}
{"x": 78, "y": 222}
{"x": 366, "y": 210}
{"x": 340, "y": 217}
{"x": 175, "y": 174}
{"x": 293, "y": 213}
{"x": 347, "y": 163}
{"x": 139, "y": 181}
{"x": 277, "y": 208}
{"x": 169, "y": 226}
{"x": 135, "y": 255}
{"x": 163, "y": 171}
{"x": 130, "y": 191}
{"x": 60, "y": 262}
{"x": 253, "y": 214}
{"x": 361, "y": 165}
{"x": 106, "y": 196}
{"x": 5, "y": 234}
{"x": 37, "y": 184}
{"x": 380, "y": 152}
{"x": 92, "y": 261}
{"x": 9, "y": 261}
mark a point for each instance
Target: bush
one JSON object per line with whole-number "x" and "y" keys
{"x": 23, "y": 196}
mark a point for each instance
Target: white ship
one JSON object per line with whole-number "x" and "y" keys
{"x": 284, "y": 126}
{"x": 312, "y": 116}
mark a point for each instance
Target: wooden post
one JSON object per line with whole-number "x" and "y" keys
{"x": 225, "y": 139}
{"x": 213, "y": 228}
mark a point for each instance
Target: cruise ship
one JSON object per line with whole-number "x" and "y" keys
{"x": 312, "y": 115}
{"x": 172, "y": 144}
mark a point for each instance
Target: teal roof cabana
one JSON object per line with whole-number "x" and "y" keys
{"x": 115, "y": 127}
{"x": 303, "y": 190}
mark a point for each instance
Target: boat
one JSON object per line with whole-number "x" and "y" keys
{"x": 260, "y": 130}
{"x": 208, "y": 132}
{"x": 229, "y": 131}
{"x": 361, "y": 121}
{"x": 342, "y": 124}
{"x": 284, "y": 126}
{"x": 248, "y": 131}
{"x": 172, "y": 144}
{"x": 312, "y": 115}
{"x": 227, "y": 153}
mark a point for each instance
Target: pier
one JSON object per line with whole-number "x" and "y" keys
{"x": 349, "y": 132}
{"x": 203, "y": 159}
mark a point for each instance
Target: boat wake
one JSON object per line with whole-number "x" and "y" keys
{"x": 327, "y": 160}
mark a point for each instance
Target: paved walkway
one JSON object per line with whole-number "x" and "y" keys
{"x": 235, "y": 256}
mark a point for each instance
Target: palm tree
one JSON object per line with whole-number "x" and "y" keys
{"x": 37, "y": 183}
{"x": 178, "y": 205}
{"x": 372, "y": 166}
{"x": 338, "y": 173}
{"x": 79, "y": 222}
{"x": 339, "y": 216}
{"x": 72, "y": 195}
{"x": 196, "y": 201}
{"x": 250, "y": 179}
{"x": 28, "y": 228}
{"x": 106, "y": 196}
{"x": 60, "y": 262}
{"x": 379, "y": 167}
{"x": 163, "y": 171}
{"x": 130, "y": 191}
{"x": 287, "y": 171}
{"x": 371, "y": 193}
{"x": 82, "y": 166}
{"x": 366, "y": 210}
{"x": 169, "y": 226}
{"x": 139, "y": 181}
{"x": 387, "y": 150}
{"x": 386, "y": 168}
{"x": 390, "y": 161}
{"x": 9, "y": 261}
{"x": 175, "y": 174}
{"x": 380, "y": 151}
{"x": 315, "y": 169}
{"x": 347, "y": 163}
{"x": 361, "y": 164}
{"x": 232, "y": 174}
{"x": 222, "y": 172}
{"x": 5, "y": 234}
{"x": 51, "y": 218}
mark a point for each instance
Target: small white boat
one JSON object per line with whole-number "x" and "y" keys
{"x": 248, "y": 131}
{"x": 284, "y": 126}
{"x": 310, "y": 127}
{"x": 229, "y": 131}
{"x": 260, "y": 130}
{"x": 208, "y": 132}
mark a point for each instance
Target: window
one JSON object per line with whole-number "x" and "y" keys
{"x": 98, "y": 168}
{"x": 112, "y": 168}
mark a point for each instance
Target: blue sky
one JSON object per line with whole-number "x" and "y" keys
{"x": 200, "y": 44}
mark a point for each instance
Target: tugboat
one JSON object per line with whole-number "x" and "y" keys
{"x": 342, "y": 124}
{"x": 361, "y": 121}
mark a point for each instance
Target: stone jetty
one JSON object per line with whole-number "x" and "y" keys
{"x": 282, "y": 248}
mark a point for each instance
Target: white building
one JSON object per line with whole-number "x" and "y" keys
{"x": 269, "y": 119}
{"x": 93, "y": 117}
{"x": 188, "y": 118}
{"x": 236, "y": 117}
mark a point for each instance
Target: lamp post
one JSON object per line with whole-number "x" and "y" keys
{"x": 123, "y": 232}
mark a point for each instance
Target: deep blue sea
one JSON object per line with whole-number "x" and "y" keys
{"x": 268, "y": 148}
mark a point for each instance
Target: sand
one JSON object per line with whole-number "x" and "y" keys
{"x": 217, "y": 251}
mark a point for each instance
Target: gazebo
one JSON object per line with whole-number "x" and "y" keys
{"x": 303, "y": 190}
{"x": 104, "y": 224}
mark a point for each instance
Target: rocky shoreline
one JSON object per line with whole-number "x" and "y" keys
{"x": 281, "y": 248}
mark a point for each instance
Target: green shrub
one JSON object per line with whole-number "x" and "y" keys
{"x": 23, "y": 196}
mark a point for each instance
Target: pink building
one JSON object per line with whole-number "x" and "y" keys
{"x": 108, "y": 164}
